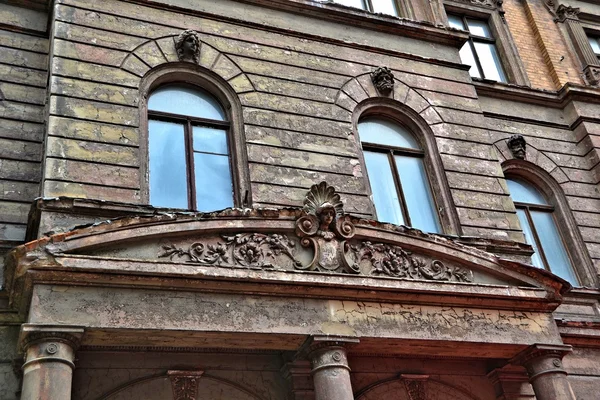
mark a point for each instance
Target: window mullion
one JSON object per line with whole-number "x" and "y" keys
{"x": 399, "y": 189}
{"x": 189, "y": 136}
{"x": 476, "y": 56}
{"x": 537, "y": 240}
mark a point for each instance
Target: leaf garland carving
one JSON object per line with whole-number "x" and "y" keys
{"x": 254, "y": 250}
{"x": 396, "y": 262}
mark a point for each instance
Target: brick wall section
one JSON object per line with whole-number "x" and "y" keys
{"x": 529, "y": 50}
{"x": 556, "y": 54}
{"x": 23, "y": 65}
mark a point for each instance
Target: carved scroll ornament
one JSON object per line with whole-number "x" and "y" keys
{"x": 325, "y": 229}
{"x": 324, "y": 243}
{"x": 188, "y": 46}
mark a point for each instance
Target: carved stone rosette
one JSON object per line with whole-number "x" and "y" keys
{"x": 517, "y": 146}
{"x": 383, "y": 80}
{"x": 187, "y": 45}
{"x": 185, "y": 384}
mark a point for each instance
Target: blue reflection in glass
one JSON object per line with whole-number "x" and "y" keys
{"x": 417, "y": 194}
{"x": 385, "y": 196}
{"x": 210, "y": 140}
{"x": 167, "y": 165}
{"x": 382, "y": 131}
{"x": 214, "y": 189}
{"x": 186, "y": 100}
{"x": 522, "y": 192}
{"x": 536, "y": 259}
{"x": 554, "y": 248}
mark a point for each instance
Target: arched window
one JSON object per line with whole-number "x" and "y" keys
{"x": 536, "y": 216}
{"x": 396, "y": 172}
{"x": 188, "y": 150}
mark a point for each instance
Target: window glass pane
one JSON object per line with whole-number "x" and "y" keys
{"x": 385, "y": 196}
{"x": 479, "y": 28}
{"x": 381, "y": 131}
{"x": 455, "y": 22}
{"x": 384, "y": 7}
{"x": 417, "y": 194}
{"x": 352, "y": 3}
{"x": 214, "y": 189}
{"x": 523, "y": 192}
{"x": 167, "y": 165}
{"x": 553, "y": 246}
{"x": 490, "y": 61}
{"x": 595, "y": 43}
{"x": 210, "y": 140}
{"x": 536, "y": 259}
{"x": 467, "y": 57}
{"x": 185, "y": 100}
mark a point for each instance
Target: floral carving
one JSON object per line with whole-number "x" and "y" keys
{"x": 244, "y": 249}
{"x": 383, "y": 80}
{"x": 188, "y": 46}
{"x": 396, "y": 262}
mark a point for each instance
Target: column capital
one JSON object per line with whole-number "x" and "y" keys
{"x": 67, "y": 334}
{"x": 317, "y": 342}
{"x": 542, "y": 350}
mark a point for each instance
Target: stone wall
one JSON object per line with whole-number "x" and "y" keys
{"x": 23, "y": 75}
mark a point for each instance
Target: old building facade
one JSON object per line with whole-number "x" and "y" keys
{"x": 299, "y": 199}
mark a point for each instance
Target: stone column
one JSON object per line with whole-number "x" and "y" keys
{"x": 546, "y": 373}
{"x": 49, "y": 361}
{"x": 329, "y": 367}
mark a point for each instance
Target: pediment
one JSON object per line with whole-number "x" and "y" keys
{"x": 316, "y": 246}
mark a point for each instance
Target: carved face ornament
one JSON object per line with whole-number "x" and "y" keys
{"x": 383, "y": 80}
{"x": 517, "y": 146}
{"x": 188, "y": 46}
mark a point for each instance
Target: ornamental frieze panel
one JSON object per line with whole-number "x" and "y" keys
{"x": 323, "y": 242}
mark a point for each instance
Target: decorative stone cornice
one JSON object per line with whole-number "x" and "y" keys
{"x": 32, "y": 334}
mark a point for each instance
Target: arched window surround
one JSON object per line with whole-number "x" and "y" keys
{"x": 208, "y": 81}
{"x": 542, "y": 181}
{"x": 408, "y": 118}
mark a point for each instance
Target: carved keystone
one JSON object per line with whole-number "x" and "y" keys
{"x": 517, "y": 146}
{"x": 383, "y": 80}
{"x": 185, "y": 384}
{"x": 188, "y": 46}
